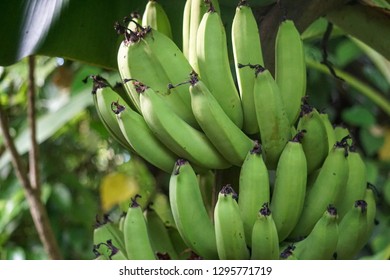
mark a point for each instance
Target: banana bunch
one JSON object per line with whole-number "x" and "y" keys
{"x": 255, "y": 171}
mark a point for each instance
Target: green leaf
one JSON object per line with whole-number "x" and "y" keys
{"x": 370, "y": 141}
{"x": 49, "y": 123}
{"x": 368, "y": 24}
{"x": 358, "y": 116}
{"x": 72, "y": 29}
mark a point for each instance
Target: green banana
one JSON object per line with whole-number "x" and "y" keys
{"x": 352, "y": 231}
{"x": 120, "y": 89}
{"x": 342, "y": 132}
{"x": 273, "y": 123}
{"x": 175, "y": 65}
{"x": 183, "y": 252}
{"x": 326, "y": 189}
{"x": 196, "y": 11}
{"x": 107, "y": 230}
{"x": 265, "y": 240}
{"x": 246, "y": 49}
{"x": 226, "y": 136}
{"x": 315, "y": 143}
{"x": 186, "y": 28}
{"x": 121, "y": 221}
{"x": 207, "y": 185}
{"x": 176, "y": 134}
{"x": 103, "y": 96}
{"x": 135, "y": 229}
{"x": 107, "y": 251}
{"x": 290, "y": 68}
{"x": 214, "y": 65}
{"x": 254, "y": 189}
{"x": 355, "y": 187}
{"x": 161, "y": 205}
{"x": 159, "y": 236}
{"x": 289, "y": 187}
{"x": 156, "y": 17}
{"x": 137, "y": 61}
{"x": 370, "y": 198}
{"x": 116, "y": 254}
{"x": 321, "y": 242}
{"x": 143, "y": 141}
{"x": 229, "y": 227}
{"x": 189, "y": 212}
{"x": 98, "y": 255}
{"x": 329, "y": 130}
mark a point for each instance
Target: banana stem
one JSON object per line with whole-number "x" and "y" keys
{"x": 363, "y": 88}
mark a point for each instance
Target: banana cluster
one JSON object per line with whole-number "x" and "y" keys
{"x": 301, "y": 187}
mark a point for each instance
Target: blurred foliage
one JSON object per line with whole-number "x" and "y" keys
{"x": 73, "y": 159}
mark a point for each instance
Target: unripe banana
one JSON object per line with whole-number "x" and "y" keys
{"x": 352, "y": 231}
{"x": 290, "y": 68}
{"x": 116, "y": 254}
{"x": 355, "y": 188}
{"x": 207, "y": 185}
{"x": 326, "y": 188}
{"x": 329, "y": 130}
{"x": 103, "y": 96}
{"x": 246, "y": 49}
{"x": 321, "y": 242}
{"x": 265, "y": 240}
{"x": 289, "y": 190}
{"x": 197, "y": 9}
{"x": 121, "y": 221}
{"x": 214, "y": 65}
{"x": 226, "y": 136}
{"x": 175, "y": 65}
{"x": 136, "y": 60}
{"x": 156, "y": 17}
{"x": 107, "y": 251}
{"x": 315, "y": 143}
{"x": 272, "y": 119}
{"x": 98, "y": 255}
{"x": 120, "y": 89}
{"x": 254, "y": 189}
{"x": 143, "y": 141}
{"x": 189, "y": 212}
{"x": 176, "y": 134}
{"x": 229, "y": 227}
{"x": 135, "y": 230}
{"x": 342, "y": 132}
{"x": 186, "y": 28}
{"x": 370, "y": 198}
{"x": 183, "y": 252}
{"x": 159, "y": 236}
{"x": 107, "y": 230}
{"x": 161, "y": 205}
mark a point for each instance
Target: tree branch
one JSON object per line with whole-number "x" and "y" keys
{"x": 17, "y": 163}
{"x": 32, "y": 190}
{"x": 33, "y": 154}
